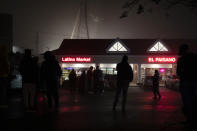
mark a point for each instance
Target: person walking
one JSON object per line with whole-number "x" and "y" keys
{"x": 29, "y": 71}
{"x": 50, "y": 74}
{"x": 186, "y": 71}
{"x": 156, "y": 85}
{"x": 124, "y": 77}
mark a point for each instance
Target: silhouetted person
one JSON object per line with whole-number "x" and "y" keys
{"x": 124, "y": 77}
{"x": 50, "y": 74}
{"x": 72, "y": 80}
{"x": 4, "y": 71}
{"x": 82, "y": 82}
{"x": 156, "y": 85}
{"x": 90, "y": 78}
{"x": 101, "y": 83}
{"x": 29, "y": 71}
{"x": 186, "y": 70}
{"x": 36, "y": 76}
{"x": 98, "y": 80}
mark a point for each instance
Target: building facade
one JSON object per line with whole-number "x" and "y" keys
{"x": 145, "y": 56}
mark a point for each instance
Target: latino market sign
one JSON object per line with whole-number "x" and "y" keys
{"x": 76, "y": 59}
{"x": 162, "y": 60}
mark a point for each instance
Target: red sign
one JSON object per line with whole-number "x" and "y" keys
{"x": 76, "y": 59}
{"x": 161, "y": 59}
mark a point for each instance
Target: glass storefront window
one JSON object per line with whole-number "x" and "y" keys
{"x": 110, "y": 71}
{"x": 147, "y": 71}
{"x": 78, "y": 67}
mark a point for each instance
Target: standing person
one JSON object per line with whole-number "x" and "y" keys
{"x": 156, "y": 85}
{"x": 72, "y": 80}
{"x": 28, "y": 70}
{"x": 101, "y": 82}
{"x": 36, "y": 70}
{"x": 90, "y": 78}
{"x": 50, "y": 74}
{"x": 82, "y": 83}
{"x": 98, "y": 79}
{"x": 186, "y": 71}
{"x": 124, "y": 77}
{"x": 4, "y": 71}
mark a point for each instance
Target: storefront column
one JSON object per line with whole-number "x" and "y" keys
{"x": 139, "y": 73}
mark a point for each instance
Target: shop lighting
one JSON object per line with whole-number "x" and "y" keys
{"x": 162, "y": 70}
{"x": 108, "y": 65}
{"x": 161, "y": 59}
{"x": 77, "y": 65}
{"x": 158, "y": 66}
{"x": 76, "y": 59}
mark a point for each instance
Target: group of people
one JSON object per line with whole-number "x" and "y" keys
{"x": 186, "y": 64}
{"x": 93, "y": 80}
{"x": 33, "y": 77}
{"x": 50, "y": 72}
{"x": 77, "y": 82}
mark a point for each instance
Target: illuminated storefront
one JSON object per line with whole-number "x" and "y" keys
{"x": 145, "y": 56}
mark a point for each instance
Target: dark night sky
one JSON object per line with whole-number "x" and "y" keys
{"x": 54, "y": 20}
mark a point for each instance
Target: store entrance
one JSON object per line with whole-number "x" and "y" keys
{"x": 135, "y": 74}
{"x": 147, "y": 72}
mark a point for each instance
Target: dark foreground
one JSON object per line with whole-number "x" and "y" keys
{"x": 94, "y": 112}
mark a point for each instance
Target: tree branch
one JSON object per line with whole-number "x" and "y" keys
{"x": 149, "y": 4}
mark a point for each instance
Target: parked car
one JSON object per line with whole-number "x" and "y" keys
{"x": 172, "y": 82}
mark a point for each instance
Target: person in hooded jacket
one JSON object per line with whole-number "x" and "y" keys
{"x": 50, "y": 75}
{"x": 124, "y": 77}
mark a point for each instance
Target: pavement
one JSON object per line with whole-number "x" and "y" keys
{"x": 94, "y": 112}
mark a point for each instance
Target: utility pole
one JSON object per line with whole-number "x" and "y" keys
{"x": 80, "y": 30}
{"x": 37, "y": 44}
